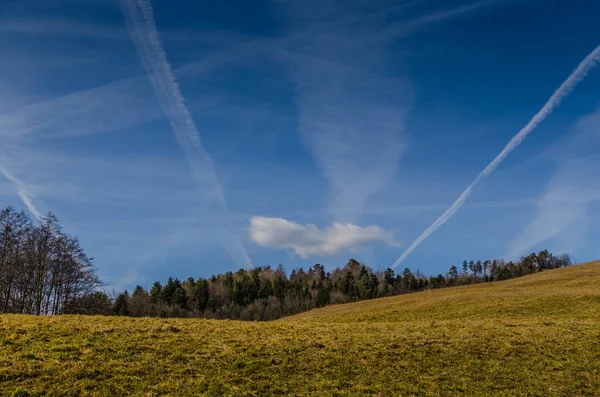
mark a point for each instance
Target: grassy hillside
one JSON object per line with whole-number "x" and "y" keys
{"x": 538, "y": 335}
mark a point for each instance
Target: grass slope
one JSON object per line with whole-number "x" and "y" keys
{"x": 537, "y": 336}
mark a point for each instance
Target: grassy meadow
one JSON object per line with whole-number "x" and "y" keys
{"x": 537, "y": 335}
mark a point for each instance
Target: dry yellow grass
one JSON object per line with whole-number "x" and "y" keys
{"x": 534, "y": 336}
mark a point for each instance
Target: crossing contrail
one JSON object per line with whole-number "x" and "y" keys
{"x": 566, "y": 87}
{"x": 142, "y": 29}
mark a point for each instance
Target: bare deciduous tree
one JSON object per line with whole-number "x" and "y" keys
{"x": 42, "y": 269}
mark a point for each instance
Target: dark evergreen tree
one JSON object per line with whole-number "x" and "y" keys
{"x": 156, "y": 292}
{"x": 389, "y": 276}
{"x": 322, "y": 297}
{"x": 121, "y": 306}
{"x": 201, "y": 294}
{"x": 453, "y": 273}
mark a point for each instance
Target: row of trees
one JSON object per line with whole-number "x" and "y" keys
{"x": 44, "y": 270}
{"x": 264, "y": 293}
{"x": 496, "y": 270}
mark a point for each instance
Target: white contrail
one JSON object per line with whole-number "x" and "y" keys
{"x": 142, "y": 29}
{"x": 21, "y": 191}
{"x": 577, "y": 76}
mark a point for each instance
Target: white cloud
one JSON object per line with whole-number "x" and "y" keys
{"x": 309, "y": 240}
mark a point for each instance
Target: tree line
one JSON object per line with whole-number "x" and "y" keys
{"x": 263, "y": 293}
{"x": 43, "y": 270}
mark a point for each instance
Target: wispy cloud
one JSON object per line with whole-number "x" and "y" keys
{"x": 351, "y": 115}
{"x": 114, "y": 106}
{"x": 566, "y": 87}
{"x": 564, "y": 207}
{"x": 45, "y": 26}
{"x": 412, "y": 26}
{"x": 309, "y": 240}
{"x": 351, "y": 111}
{"x": 142, "y": 28}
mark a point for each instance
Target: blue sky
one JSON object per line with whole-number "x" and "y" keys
{"x": 290, "y": 132}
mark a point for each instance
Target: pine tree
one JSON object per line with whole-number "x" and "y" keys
{"x": 156, "y": 292}
{"x": 121, "y": 306}
{"x": 323, "y": 296}
{"x": 453, "y": 273}
{"x": 389, "y": 276}
{"x": 201, "y": 294}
